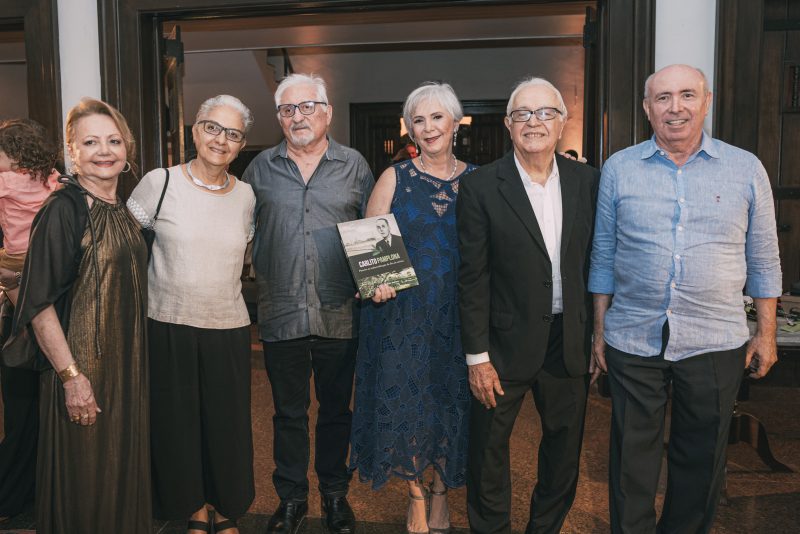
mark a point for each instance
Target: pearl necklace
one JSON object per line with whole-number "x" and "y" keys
{"x": 452, "y": 174}
{"x": 210, "y": 187}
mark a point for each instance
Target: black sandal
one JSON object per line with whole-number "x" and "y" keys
{"x": 202, "y": 526}
{"x": 224, "y": 525}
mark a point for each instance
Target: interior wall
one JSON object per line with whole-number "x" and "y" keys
{"x": 79, "y": 48}
{"x": 13, "y": 81}
{"x": 686, "y": 33}
{"x": 385, "y": 76}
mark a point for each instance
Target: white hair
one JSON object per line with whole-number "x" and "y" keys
{"x": 702, "y": 74}
{"x": 532, "y": 82}
{"x": 436, "y": 91}
{"x": 226, "y": 100}
{"x": 302, "y": 79}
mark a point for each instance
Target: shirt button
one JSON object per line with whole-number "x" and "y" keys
{"x": 308, "y": 233}
{"x": 680, "y": 171}
{"x": 680, "y": 228}
{"x": 677, "y": 256}
{"x": 673, "y": 285}
{"x": 661, "y": 152}
{"x": 681, "y": 200}
{"x": 307, "y": 210}
{"x": 310, "y": 281}
{"x": 669, "y": 312}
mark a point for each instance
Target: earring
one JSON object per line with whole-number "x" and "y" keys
{"x": 127, "y": 164}
{"x": 455, "y": 137}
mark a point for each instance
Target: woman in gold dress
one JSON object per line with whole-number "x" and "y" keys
{"x": 83, "y": 294}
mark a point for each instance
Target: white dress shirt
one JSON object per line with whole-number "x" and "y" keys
{"x": 545, "y": 200}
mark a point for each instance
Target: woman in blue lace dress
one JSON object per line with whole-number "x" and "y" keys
{"x": 412, "y": 394}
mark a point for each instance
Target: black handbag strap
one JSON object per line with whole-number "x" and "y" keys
{"x": 160, "y": 200}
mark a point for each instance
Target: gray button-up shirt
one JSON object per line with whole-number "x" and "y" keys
{"x": 304, "y": 283}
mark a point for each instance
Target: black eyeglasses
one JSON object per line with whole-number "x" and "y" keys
{"x": 543, "y": 114}
{"x": 306, "y": 108}
{"x": 214, "y": 129}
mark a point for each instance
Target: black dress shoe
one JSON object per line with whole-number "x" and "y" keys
{"x": 339, "y": 517}
{"x": 288, "y": 517}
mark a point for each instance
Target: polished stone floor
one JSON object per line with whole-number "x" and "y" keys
{"x": 759, "y": 500}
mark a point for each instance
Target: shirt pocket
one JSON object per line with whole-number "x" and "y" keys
{"x": 721, "y": 211}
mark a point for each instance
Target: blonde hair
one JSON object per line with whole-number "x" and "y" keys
{"x": 90, "y": 106}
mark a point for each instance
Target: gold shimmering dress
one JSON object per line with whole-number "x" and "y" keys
{"x": 96, "y": 479}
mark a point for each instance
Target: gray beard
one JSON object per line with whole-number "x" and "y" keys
{"x": 302, "y": 139}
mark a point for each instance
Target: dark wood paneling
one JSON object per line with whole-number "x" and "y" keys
{"x": 751, "y": 111}
{"x": 769, "y": 96}
{"x": 40, "y": 23}
{"x": 739, "y": 26}
{"x": 629, "y": 60}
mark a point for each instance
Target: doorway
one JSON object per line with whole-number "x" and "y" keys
{"x": 616, "y": 37}
{"x": 31, "y": 85}
{"x": 480, "y": 52}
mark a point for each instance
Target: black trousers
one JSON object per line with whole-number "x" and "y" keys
{"x": 704, "y": 389}
{"x": 21, "y": 430}
{"x": 289, "y": 367}
{"x": 201, "y": 434}
{"x": 561, "y": 402}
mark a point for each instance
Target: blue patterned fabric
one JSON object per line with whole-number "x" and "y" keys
{"x": 412, "y": 394}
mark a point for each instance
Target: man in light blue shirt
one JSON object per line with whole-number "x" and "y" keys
{"x": 684, "y": 224}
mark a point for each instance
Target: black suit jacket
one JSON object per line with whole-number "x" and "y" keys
{"x": 505, "y": 278}
{"x": 382, "y": 247}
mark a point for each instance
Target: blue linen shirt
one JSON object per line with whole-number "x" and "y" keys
{"x": 679, "y": 244}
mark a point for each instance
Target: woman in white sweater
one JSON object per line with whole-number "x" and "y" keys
{"x": 198, "y": 326}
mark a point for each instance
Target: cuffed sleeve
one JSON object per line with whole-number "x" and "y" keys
{"x": 475, "y": 359}
{"x": 601, "y": 272}
{"x": 761, "y": 248}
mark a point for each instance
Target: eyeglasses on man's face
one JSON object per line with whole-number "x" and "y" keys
{"x": 543, "y": 114}
{"x": 213, "y": 128}
{"x": 306, "y": 108}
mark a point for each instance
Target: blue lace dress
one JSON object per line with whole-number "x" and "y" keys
{"x": 412, "y": 396}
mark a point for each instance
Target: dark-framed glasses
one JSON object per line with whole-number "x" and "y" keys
{"x": 306, "y": 108}
{"x": 543, "y": 114}
{"x": 214, "y": 129}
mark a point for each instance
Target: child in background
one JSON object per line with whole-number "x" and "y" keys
{"x": 27, "y": 177}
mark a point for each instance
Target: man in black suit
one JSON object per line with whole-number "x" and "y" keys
{"x": 388, "y": 242}
{"x": 525, "y": 232}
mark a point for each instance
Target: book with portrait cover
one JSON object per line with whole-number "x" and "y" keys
{"x": 376, "y": 254}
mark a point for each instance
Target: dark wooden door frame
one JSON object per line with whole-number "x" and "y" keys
{"x": 39, "y": 21}
{"x": 129, "y": 42}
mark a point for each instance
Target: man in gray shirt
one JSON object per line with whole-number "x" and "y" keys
{"x": 307, "y": 312}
